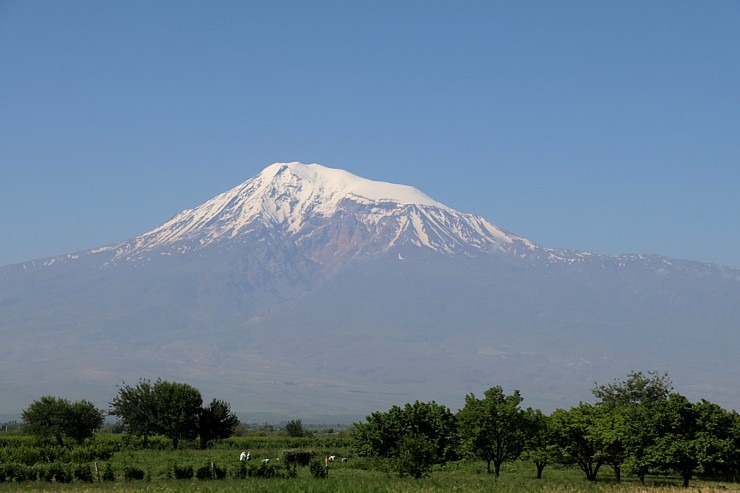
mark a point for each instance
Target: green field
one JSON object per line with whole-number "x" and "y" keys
{"x": 356, "y": 475}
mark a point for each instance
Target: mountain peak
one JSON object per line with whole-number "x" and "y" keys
{"x": 327, "y": 213}
{"x": 332, "y": 185}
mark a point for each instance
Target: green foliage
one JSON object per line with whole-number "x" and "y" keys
{"x": 494, "y": 428}
{"x": 573, "y": 432}
{"x": 133, "y": 473}
{"x": 381, "y": 434}
{"x": 416, "y": 454}
{"x": 294, "y": 428}
{"x": 108, "y": 474}
{"x": 318, "y": 469}
{"x": 638, "y": 388}
{"x": 182, "y": 472}
{"x": 54, "y": 418}
{"x": 169, "y": 408}
{"x": 298, "y": 457}
{"x": 216, "y": 422}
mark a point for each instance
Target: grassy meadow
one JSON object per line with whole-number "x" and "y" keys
{"x": 360, "y": 475}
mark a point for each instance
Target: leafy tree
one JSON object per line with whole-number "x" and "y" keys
{"x": 494, "y": 428}
{"x": 294, "y": 428}
{"x": 177, "y": 407}
{"x": 136, "y": 407}
{"x": 216, "y": 422}
{"x": 83, "y": 418}
{"x": 540, "y": 447}
{"x": 692, "y": 437}
{"x": 573, "y": 431}
{"x": 167, "y": 408}
{"x": 46, "y": 418}
{"x": 383, "y": 432}
{"x": 625, "y": 425}
{"x": 56, "y": 418}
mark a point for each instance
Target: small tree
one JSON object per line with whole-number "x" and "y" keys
{"x": 294, "y": 428}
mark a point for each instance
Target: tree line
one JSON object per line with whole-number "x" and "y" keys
{"x": 639, "y": 424}
{"x": 171, "y": 409}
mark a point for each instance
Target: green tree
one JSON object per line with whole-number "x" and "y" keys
{"x": 382, "y": 432}
{"x": 540, "y": 448}
{"x": 167, "y": 408}
{"x": 692, "y": 438}
{"x": 46, "y": 418}
{"x": 294, "y": 428}
{"x": 136, "y": 407}
{"x": 54, "y": 418}
{"x": 177, "y": 407}
{"x": 573, "y": 431}
{"x": 625, "y": 428}
{"x": 494, "y": 428}
{"x": 216, "y": 422}
{"x": 83, "y": 419}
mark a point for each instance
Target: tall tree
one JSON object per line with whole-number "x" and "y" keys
{"x": 494, "y": 428}
{"x": 625, "y": 425}
{"x": 136, "y": 407}
{"x": 573, "y": 431}
{"x": 216, "y": 422}
{"x": 540, "y": 447}
{"x": 177, "y": 408}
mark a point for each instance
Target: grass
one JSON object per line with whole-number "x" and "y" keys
{"x": 358, "y": 475}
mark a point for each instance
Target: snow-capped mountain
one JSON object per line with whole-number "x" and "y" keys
{"x": 327, "y": 213}
{"x": 309, "y": 291}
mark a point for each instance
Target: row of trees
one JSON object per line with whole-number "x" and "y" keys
{"x": 638, "y": 423}
{"x": 171, "y": 409}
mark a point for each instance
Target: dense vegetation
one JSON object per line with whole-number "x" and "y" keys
{"x": 638, "y": 426}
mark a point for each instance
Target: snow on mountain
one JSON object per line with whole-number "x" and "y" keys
{"x": 351, "y": 215}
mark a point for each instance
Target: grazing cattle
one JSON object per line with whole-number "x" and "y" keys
{"x": 265, "y": 461}
{"x": 331, "y": 458}
{"x": 249, "y": 456}
{"x": 243, "y": 456}
{"x": 344, "y": 459}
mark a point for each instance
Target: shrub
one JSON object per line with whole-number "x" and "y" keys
{"x": 182, "y": 472}
{"x": 262, "y": 471}
{"x": 241, "y": 471}
{"x": 133, "y": 473}
{"x": 204, "y": 472}
{"x": 83, "y": 472}
{"x": 298, "y": 457}
{"x": 318, "y": 470}
{"x": 108, "y": 473}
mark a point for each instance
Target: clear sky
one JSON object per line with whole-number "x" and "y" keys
{"x": 611, "y": 127}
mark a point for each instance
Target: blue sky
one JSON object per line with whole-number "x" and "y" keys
{"x": 612, "y": 127}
